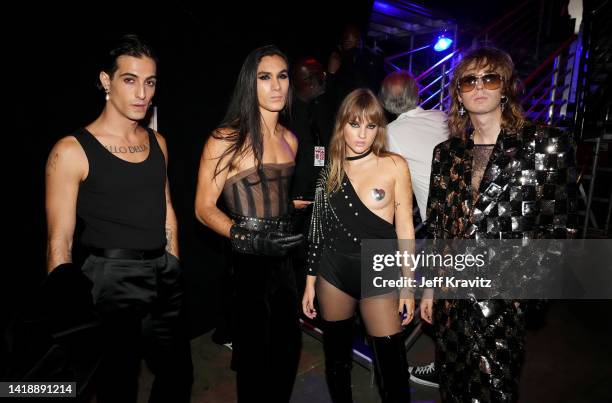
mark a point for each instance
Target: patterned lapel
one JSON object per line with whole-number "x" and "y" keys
{"x": 451, "y": 205}
{"x": 453, "y": 187}
{"x": 502, "y": 165}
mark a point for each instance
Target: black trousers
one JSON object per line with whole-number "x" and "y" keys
{"x": 140, "y": 305}
{"x": 267, "y": 338}
{"x": 479, "y": 357}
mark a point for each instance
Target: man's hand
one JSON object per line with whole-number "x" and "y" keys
{"x": 308, "y": 302}
{"x": 263, "y": 243}
{"x": 300, "y": 204}
{"x": 427, "y": 310}
{"x": 409, "y": 304}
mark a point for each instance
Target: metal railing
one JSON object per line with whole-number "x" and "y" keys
{"x": 434, "y": 82}
{"x": 551, "y": 83}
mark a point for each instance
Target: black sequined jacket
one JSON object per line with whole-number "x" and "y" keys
{"x": 528, "y": 190}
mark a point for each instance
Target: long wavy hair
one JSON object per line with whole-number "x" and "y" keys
{"x": 243, "y": 116}
{"x": 492, "y": 59}
{"x": 361, "y": 106}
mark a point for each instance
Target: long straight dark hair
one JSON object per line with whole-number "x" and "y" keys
{"x": 243, "y": 116}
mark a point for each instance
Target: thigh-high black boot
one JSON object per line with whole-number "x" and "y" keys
{"x": 391, "y": 368}
{"x": 338, "y": 348}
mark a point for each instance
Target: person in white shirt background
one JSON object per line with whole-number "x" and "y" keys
{"x": 414, "y": 134}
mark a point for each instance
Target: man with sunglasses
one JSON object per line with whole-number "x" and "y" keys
{"x": 497, "y": 177}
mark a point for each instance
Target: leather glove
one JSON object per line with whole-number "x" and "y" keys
{"x": 263, "y": 243}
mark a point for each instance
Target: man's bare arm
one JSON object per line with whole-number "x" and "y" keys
{"x": 66, "y": 168}
{"x": 210, "y": 187}
{"x": 171, "y": 221}
{"x": 404, "y": 225}
{"x": 171, "y": 226}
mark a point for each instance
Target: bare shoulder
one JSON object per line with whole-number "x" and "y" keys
{"x": 67, "y": 154}
{"x": 68, "y": 147}
{"x": 395, "y": 162}
{"x": 223, "y": 133}
{"x": 397, "y": 167}
{"x": 160, "y": 139}
{"x": 219, "y": 141}
{"x": 290, "y": 138}
{"x": 222, "y": 136}
{"x": 162, "y": 143}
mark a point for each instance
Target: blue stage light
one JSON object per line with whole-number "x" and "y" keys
{"x": 442, "y": 43}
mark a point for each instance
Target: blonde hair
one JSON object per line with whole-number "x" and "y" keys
{"x": 361, "y": 106}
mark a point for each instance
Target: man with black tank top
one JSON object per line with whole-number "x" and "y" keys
{"x": 112, "y": 174}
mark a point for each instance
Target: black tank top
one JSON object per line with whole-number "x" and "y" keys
{"x": 260, "y": 193}
{"x": 122, "y": 204}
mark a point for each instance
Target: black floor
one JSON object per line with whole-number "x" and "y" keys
{"x": 567, "y": 360}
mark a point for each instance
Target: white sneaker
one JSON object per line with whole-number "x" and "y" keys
{"x": 426, "y": 375}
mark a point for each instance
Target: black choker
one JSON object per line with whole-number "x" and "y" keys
{"x": 360, "y": 156}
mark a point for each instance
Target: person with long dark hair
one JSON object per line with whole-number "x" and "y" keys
{"x": 365, "y": 192}
{"x": 497, "y": 177}
{"x": 249, "y": 159}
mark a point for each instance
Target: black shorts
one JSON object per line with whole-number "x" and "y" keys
{"x": 343, "y": 271}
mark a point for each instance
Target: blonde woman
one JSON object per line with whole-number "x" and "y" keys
{"x": 364, "y": 193}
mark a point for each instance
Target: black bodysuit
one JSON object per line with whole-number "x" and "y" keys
{"x": 339, "y": 224}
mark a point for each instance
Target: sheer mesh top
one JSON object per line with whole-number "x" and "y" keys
{"x": 260, "y": 193}
{"x": 481, "y": 155}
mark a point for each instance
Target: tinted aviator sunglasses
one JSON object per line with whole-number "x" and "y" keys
{"x": 490, "y": 81}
